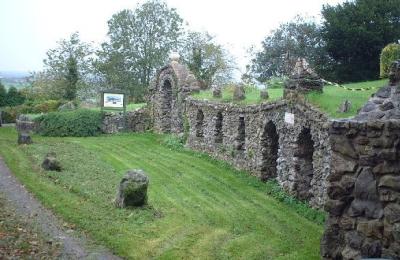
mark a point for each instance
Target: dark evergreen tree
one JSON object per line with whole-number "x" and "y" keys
{"x": 355, "y": 33}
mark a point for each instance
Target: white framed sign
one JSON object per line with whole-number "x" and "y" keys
{"x": 289, "y": 118}
{"x": 113, "y": 100}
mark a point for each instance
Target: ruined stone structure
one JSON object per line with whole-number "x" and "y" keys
{"x": 134, "y": 121}
{"x": 364, "y": 191}
{"x": 171, "y": 86}
{"x": 349, "y": 167}
{"x": 364, "y": 183}
{"x": 257, "y": 138}
{"x": 302, "y": 80}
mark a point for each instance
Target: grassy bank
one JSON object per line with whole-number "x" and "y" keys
{"x": 330, "y": 100}
{"x": 199, "y": 208}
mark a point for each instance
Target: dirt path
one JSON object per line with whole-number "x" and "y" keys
{"x": 29, "y": 209}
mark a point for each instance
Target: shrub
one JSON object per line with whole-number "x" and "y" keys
{"x": 389, "y": 54}
{"x": 46, "y": 106}
{"x": 82, "y": 122}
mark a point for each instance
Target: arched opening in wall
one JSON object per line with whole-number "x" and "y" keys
{"x": 199, "y": 123}
{"x": 241, "y": 135}
{"x": 269, "y": 151}
{"x": 166, "y": 105}
{"x": 218, "y": 135}
{"x": 304, "y": 165}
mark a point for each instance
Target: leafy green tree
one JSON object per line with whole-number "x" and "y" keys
{"x": 3, "y": 95}
{"x": 208, "y": 61}
{"x": 140, "y": 41}
{"x": 389, "y": 54}
{"x": 68, "y": 67}
{"x": 355, "y": 33}
{"x": 14, "y": 97}
{"x": 299, "y": 38}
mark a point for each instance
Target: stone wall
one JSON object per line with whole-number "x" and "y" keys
{"x": 257, "y": 138}
{"x": 363, "y": 191}
{"x": 136, "y": 121}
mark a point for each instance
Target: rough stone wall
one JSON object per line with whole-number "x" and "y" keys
{"x": 255, "y": 153}
{"x": 363, "y": 191}
{"x": 136, "y": 121}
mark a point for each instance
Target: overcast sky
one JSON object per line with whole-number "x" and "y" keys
{"x": 28, "y": 28}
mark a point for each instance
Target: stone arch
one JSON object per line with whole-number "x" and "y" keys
{"x": 303, "y": 165}
{"x": 166, "y": 105}
{"x": 200, "y": 123}
{"x": 241, "y": 134}
{"x": 218, "y": 134}
{"x": 269, "y": 151}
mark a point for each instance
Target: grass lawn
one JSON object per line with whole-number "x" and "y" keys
{"x": 331, "y": 98}
{"x": 252, "y": 95}
{"x": 198, "y": 207}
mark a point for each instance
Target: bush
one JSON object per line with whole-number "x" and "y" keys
{"x": 82, "y": 122}
{"x": 389, "y": 54}
{"x": 46, "y": 106}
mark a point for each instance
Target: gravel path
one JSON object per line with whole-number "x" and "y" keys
{"x": 73, "y": 246}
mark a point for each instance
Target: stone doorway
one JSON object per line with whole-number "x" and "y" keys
{"x": 218, "y": 135}
{"x": 269, "y": 151}
{"x": 199, "y": 123}
{"x": 166, "y": 106}
{"x": 241, "y": 135}
{"x": 304, "y": 165}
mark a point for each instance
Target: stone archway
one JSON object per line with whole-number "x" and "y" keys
{"x": 218, "y": 134}
{"x": 200, "y": 123}
{"x": 166, "y": 106}
{"x": 304, "y": 165}
{"x": 269, "y": 151}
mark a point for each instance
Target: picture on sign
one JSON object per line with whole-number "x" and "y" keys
{"x": 113, "y": 100}
{"x": 289, "y": 118}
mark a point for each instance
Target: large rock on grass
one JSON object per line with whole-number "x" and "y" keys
{"x": 50, "y": 163}
{"x": 132, "y": 191}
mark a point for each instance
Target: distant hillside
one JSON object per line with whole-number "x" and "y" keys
{"x": 16, "y": 79}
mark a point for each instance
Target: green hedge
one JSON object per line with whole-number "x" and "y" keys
{"x": 11, "y": 113}
{"x": 389, "y": 54}
{"x": 82, "y": 122}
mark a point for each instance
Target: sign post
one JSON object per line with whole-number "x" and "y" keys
{"x": 114, "y": 100}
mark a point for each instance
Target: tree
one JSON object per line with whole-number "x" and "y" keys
{"x": 208, "y": 61}
{"x": 299, "y": 38}
{"x": 3, "y": 95}
{"x": 14, "y": 97}
{"x": 355, "y": 33}
{"x": 140, "y": 41}
{"x": 68, "y": 66}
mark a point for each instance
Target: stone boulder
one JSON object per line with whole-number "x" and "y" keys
{"x": 239, "y": 93}
{"x": 132, "y": 191}
{"x": 50, "y": 163}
